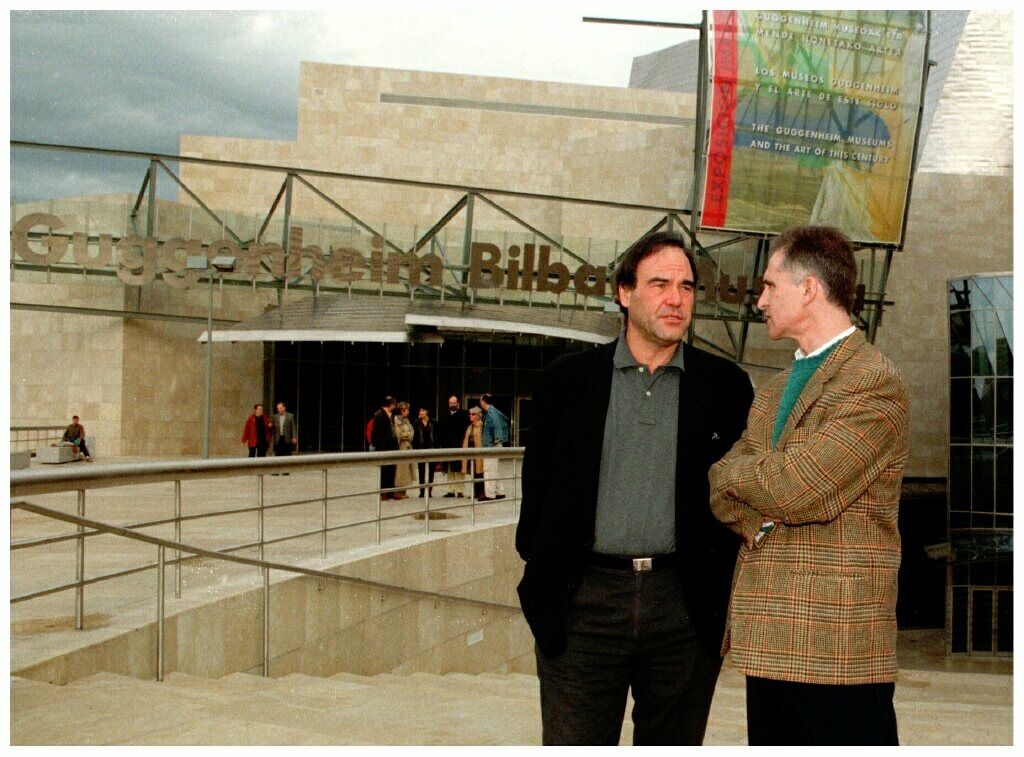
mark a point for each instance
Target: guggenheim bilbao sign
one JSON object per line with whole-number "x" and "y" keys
{"x": 141, "y": 260}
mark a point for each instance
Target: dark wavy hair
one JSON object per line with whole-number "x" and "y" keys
{"x": 645, "y": 246}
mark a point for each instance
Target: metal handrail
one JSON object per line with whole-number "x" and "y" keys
{"x": 104, "y": 476}
{"x": 265, "y": 566}
{"x": 99, "y": 476}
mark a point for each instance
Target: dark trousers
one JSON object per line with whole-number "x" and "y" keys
{"x": 625, "y": 631}
{"x": 82, "y": 448}
{"x": 426, "y": 476}
{"x": 282, "y": 447}
{"x": 257, "y": 451}
{"x": 387, "y": 480}
{"x": 479, "y": 488}
{"x": 786, "y": 713}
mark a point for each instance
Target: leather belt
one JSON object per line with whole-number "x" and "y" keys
{"x": 635, "y": 564}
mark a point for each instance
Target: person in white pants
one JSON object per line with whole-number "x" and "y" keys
{"x": 495, "y": 434}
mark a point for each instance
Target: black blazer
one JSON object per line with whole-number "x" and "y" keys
{"x": 560, "y": 476}
{"x": 382, "y": 436}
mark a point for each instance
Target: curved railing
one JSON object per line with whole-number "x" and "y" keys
{"x": 81, "y": 479}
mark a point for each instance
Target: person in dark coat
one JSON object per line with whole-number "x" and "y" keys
{"x": 451, "y": 430}
{"x": 423, "y": 438}
{"x": 384, "y": 439}
{"x": 628, "y": 572}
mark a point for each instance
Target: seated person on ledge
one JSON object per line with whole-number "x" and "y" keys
{"x": 75, "y": 433}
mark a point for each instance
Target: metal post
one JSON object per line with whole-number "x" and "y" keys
{"x": 177, "y": 538}
{"x": 160, "y": 613}
{"x": 266, "y": 622}
{"x": 698, "y": 135}
{"x": 467, "y": 242}
{"x": 284, "y": 232}
{"x": 427, "y": 474}
{"x": 259, "y": 504}
{"x": 80, "y": 566}
{"x": 209, "y": 369}
{"x": 324, "y": 550}
{"x": 379, "y": 514}
{"x": 151, "y": 206}
{"x": 515, "y": 489}
{"x": 472, "y": 483}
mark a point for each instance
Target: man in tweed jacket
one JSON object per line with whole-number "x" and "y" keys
{"x": 813, "y": 489}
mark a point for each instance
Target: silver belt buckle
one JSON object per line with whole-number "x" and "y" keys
{"x": 642, "y": 564}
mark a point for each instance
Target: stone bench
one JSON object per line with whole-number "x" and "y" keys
{"x": 62, "y": 453}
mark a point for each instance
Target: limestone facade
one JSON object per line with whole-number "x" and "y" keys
{"x": 623, "y": 145}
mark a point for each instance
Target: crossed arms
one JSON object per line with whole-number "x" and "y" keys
{"x": 863, "y": 431}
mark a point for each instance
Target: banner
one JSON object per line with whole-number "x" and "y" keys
{"x": 813, "y": 117}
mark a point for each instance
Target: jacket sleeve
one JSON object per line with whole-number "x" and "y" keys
{"x": 538, "y": 459}
{"x": 864, "y": 431}
{"x": 737, "y": 516}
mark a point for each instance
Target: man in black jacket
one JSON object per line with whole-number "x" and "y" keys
{"x": 627, "y": 571}
{"x": 384, "y": 439}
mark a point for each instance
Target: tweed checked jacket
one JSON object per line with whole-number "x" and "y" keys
{"x": 815, "y": 600}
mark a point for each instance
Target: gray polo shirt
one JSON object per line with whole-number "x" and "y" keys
{"x": 636, "y": 493}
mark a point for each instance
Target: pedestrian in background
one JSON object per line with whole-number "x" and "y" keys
{"x": 405, "y": 473}
{"x": 474, "y": 439}
{"x": 257, "y": 432}
{"x": 496, "y": 433}
{"x": 383, "y": 439}
{"x": 423, "y": 438}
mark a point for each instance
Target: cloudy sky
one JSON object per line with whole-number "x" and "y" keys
{"x": 138, "y": 80}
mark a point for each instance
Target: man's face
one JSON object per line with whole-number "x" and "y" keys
{"x": 259, "y": 410}
{"x": 484, "y": 404}
{"x": 280, "y": 408}
{"x": 661, "y": 305}
{"x": 782, "y": 300}
{"x": 74, "y": 419}
{"x": 423, "y": 414}
{"x": 453, "y": 404}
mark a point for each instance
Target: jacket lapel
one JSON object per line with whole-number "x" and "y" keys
{"x": 812, "y": 391}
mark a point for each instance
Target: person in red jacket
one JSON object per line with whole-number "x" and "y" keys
{"x": 256, "y": 434}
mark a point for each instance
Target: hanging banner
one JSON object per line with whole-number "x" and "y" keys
{"x": 813, "y": 119}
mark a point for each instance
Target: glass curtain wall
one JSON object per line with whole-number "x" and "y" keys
{"x": 335, "y": 387}
{"x": 980, "y": 478}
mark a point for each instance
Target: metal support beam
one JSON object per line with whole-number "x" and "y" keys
{"x": 196, "y": 200}
{"x": 138, "y": 202}
{"x": 357, "y": 221}
{"x": 151, "y": 205}
{"x": 509, "y": 214}
{"x": 698, "y": 135}
{"x": 286, "y": 228}
{"x": 748, "y": 308}
{"x": 270, "y": 213}
{"x": 209, "y": 373}
{"x": 467, "y": 242}
{"x": 876, "y": 316}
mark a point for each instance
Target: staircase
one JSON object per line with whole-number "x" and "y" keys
{"x": 932, "y": 707}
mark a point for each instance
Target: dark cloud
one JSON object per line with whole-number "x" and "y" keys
{"x": 138, "y": 81}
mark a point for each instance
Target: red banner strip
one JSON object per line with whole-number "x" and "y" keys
{"x": 723, "y": 118}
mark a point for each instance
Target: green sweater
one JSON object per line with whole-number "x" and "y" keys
{"x": 803, "y": 369}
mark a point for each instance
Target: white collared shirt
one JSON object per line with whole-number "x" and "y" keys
{"x": 800, "y": 353}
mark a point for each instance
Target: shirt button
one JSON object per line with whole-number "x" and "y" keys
{"x": 648, "y": 394}
{"x": 641, "y": 369}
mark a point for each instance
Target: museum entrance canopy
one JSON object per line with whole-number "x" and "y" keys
{"x": 344, "y": 318}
